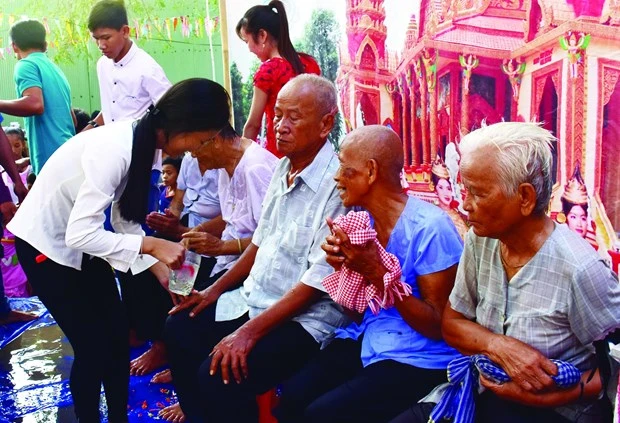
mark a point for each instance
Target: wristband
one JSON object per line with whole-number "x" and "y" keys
{"x": 93, "y": 124}
{"x": 239, "y": 243}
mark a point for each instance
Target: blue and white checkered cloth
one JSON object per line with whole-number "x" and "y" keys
{"x": 457, "y": 401}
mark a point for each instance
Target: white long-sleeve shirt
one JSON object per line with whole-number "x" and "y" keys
{"x": 128, "y": 87}
{"x": 63, "y": 214}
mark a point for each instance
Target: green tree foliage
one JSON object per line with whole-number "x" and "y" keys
{"x": 238, "y": 97}
{"x": 248, "y": 90}
{"x": 67, "y": 20}
{"x": 321, "y": 40}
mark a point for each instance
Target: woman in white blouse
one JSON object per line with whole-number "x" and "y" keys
{"x": 67, "y": 254}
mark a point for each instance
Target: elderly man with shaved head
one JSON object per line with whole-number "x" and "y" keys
{"x": 375, "y": 368}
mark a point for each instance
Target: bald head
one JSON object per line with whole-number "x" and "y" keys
{"x": 381, "y": 144}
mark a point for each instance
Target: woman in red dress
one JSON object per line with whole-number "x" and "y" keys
{"x": 265, "y": 30}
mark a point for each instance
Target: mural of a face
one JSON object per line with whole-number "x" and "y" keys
{"x": 444, "y": 193}
{"x": 577, "y": 220}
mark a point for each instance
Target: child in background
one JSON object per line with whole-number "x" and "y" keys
{"x": 15, "y": 280}
{"x": 169, "y": 173}
{"x": 17, "y": 141}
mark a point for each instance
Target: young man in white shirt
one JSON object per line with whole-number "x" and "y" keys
{"x": 130, "y": 80}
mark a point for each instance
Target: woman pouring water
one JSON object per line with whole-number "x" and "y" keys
{"x": 67, "y": 254}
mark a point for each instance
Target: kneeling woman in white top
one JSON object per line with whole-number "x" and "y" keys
{"x": 67, "y": 254}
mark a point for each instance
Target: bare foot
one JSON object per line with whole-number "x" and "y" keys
{"x": 165, "y": 376}
{"x": 15, "y": 316}
{"x": 172, "y": 413}
{"x": 153, "y": 359}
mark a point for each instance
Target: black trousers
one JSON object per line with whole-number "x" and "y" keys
{"x": 335, "y": 387}
{"x": 205, "y": 398}
{"x": 87, "y": 307}
{"x": 148, "y": 303}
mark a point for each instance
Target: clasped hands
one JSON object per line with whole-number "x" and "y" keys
{"x": 363, "y": 259}
{"x": 166, "y": 223}
{"x": 529, "y": 370}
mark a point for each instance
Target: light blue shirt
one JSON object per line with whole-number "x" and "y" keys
{"x": 201, "y": 200}
{"x": 425, "y": 241}
{"x": 48, "y": 131}
{"x": 289, "y": 236}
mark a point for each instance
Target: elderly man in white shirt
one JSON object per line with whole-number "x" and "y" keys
{"x": 285, "y": 314}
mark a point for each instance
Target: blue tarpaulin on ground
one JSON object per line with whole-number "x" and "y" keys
{"x": 35, "y": 362}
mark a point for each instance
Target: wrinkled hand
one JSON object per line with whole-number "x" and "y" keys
{"x": 363, "y": 259}
{"x": 511, "y": 391}
{"x": 8, "y": 210}
{"x": 197, "y": 300}
{"x": 20, "y": 191}
{"x": 202, "y": 242}
{"x": 526, "y": 366}
{"x": 331, "y": 246}
{"x": 167, "y": 223}
{"x": 231, "y": 355}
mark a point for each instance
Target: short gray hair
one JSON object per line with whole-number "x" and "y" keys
{"x": 323, "y": 89}
{"x": 523, "y": 155}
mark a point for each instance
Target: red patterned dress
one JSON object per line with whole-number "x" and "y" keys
{"x": 270, "y": 78}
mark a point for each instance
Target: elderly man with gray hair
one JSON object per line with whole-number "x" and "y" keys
{"x": 268, "y": 314}
{"x": 527, "y": 290}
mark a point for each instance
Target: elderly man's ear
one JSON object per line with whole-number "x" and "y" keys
{"x": 328, "y": 124}
{"x": 527, "y": 198}
{"x": 372, "y": 168}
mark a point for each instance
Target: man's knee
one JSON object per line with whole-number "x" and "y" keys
{"x": 175, "y": 329}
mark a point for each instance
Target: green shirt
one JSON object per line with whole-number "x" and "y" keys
{"x": 48, "y": 131}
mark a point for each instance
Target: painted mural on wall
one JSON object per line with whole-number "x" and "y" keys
{"x": 467, "y": 62}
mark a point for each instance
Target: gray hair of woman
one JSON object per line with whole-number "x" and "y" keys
{"x": 522, "y": 152}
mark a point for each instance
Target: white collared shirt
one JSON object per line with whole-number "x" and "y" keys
{"x": 63, "y": 214}
{"x": 129, "y": 86}
{"x": 241, "y": 197}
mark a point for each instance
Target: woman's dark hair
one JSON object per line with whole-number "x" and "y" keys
{"x": 191, "y": 105}
{"x": 271, "y": 18}
{"x": 28, "y": 35}
{"x": 567, "y": 206}
{"x": 108, "y": 14}
{"x": 173, "y": 161}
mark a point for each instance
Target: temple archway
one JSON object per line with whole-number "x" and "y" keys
{"x": 548, "y": 115}
{"x": 369, "y": 114}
